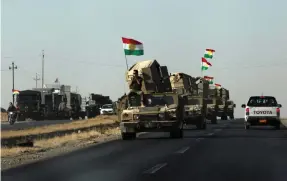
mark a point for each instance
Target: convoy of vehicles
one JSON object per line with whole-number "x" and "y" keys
{"x": 262, "y": 110}
{"x": 165, "y": 103}
{"x": 57, "y": 102}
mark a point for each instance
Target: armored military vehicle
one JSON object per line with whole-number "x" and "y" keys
{"x": 153, "y": 112}
{"x": 194, "y": 91}
{"x": 155, "y": 107}
{"x": 230, "y": 108}
{"x": 29, "y": 105}
{"x": 216, "y": 106}
{"x": 224, "y": 94}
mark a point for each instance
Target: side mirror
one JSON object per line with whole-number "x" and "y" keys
{"x": 279, "y": 105}
{"x": 243, "y": 105}
{"x": 234, "y": 105}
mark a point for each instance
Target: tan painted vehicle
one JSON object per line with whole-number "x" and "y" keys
{"x": 155, "y": 107}
{"x": 217, "y": 104}
{"x": 194, "y": 90}
{"x": 230, "y": 108}
{"x": 153, "y": 112}
{"x": 195, "y": 111}
{"x": 212, "y": 105}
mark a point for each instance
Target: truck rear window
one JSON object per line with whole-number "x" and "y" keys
{"x": 262, "y": 102}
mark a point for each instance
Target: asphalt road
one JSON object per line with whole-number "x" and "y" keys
{"x": 30, "y": 124}
{"x": 223, "y": 152}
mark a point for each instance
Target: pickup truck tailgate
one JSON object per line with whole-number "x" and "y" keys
{"x": 263, "y": 111}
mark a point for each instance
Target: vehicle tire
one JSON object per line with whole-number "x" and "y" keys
{"x": 231, "y": 116}
{"x": 213, "y": 120}
{"x": 128, "y": 136}
{"x": 178, "y": 133}
{"x": 247, "y": 126}
{"x": 204, "y": 125}
{"x": 277, "y": 127}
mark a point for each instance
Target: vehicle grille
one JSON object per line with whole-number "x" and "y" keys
{"x": 148, "y": 117}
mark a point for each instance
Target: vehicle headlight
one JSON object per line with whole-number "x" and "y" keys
{"x": 136, "y": 116}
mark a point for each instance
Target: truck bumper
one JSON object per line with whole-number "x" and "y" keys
{"x": 220, "y": 113}
{"x": 148, "y": 126}
{"x": 258, "y": 121}
{"x": 193, "y": 119}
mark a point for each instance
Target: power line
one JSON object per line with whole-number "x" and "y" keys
{"x": 36, "y": 80}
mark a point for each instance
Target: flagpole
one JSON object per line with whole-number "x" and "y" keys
{"x": 126, "y": 62}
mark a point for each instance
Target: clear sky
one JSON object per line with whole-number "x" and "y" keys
{"x": 82, "y": 43}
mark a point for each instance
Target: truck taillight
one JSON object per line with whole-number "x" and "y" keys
{"x": 278, "y": 110}
{"x": 247, "y": 111}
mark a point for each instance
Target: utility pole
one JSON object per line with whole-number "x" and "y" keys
{"x": 36, "y": 79}
{"x": 13, "y": 67}
{"x": 43, "y": 59}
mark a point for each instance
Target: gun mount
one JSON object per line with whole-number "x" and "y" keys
{"x": 155, "y": 77}
{"x": 185, "y": 84}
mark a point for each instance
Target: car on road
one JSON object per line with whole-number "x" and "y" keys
{"x": 107, "y": 109}
{"x": 262, "y": 110}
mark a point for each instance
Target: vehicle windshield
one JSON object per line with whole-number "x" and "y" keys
{"x": 262, "y": 102}
{"x": 107, "y": 106}
{"x": 193, "y": 102}
{"x": 27, "y": 98}
{"x": 161, "y": 100}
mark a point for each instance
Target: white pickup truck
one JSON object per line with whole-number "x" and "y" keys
{"x": 262, "y": 110}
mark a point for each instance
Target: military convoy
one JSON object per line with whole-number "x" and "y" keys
{"x": 168, "y": 101}
{"x": 57, "y": 102}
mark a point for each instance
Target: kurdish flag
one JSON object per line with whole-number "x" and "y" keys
{"x": 218, "y": 86}
{"x": 15, "y": 91}
{"x": 132, "y": 47}
{"x": 209, "y": 79}
{"x": 209, "y": 53}
{"x": 205, "y": 64}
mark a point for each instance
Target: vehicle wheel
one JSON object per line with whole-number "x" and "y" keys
{"x": 177, "y": 133}
{"x": 128, "y": 136}
{"x": 247, "y": 126}
{"x": 231, "y": 116}
{"x": 203, "y": 126}
{"x": 277, "y": 127}
{"x": 214, "y": 120}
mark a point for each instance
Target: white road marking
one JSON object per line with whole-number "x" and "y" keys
{"x": 155, "y": 168}
{"x": 210, "y": 134}
{"x": 184, "y": 149}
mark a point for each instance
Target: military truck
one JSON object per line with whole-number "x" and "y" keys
{"x": 28, "y": 103}
{"x": 230, "y": 108}
{"x": 216, "y": 106}
{"x": 155, "y": 107}
{"x": 94, "y": 104}
{"x": 224, "y": 94}
{"x": 60, "y": 103}
{"x": 194, "y": 91}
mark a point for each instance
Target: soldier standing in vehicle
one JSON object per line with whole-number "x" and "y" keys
{"x": 136, "y": 82}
